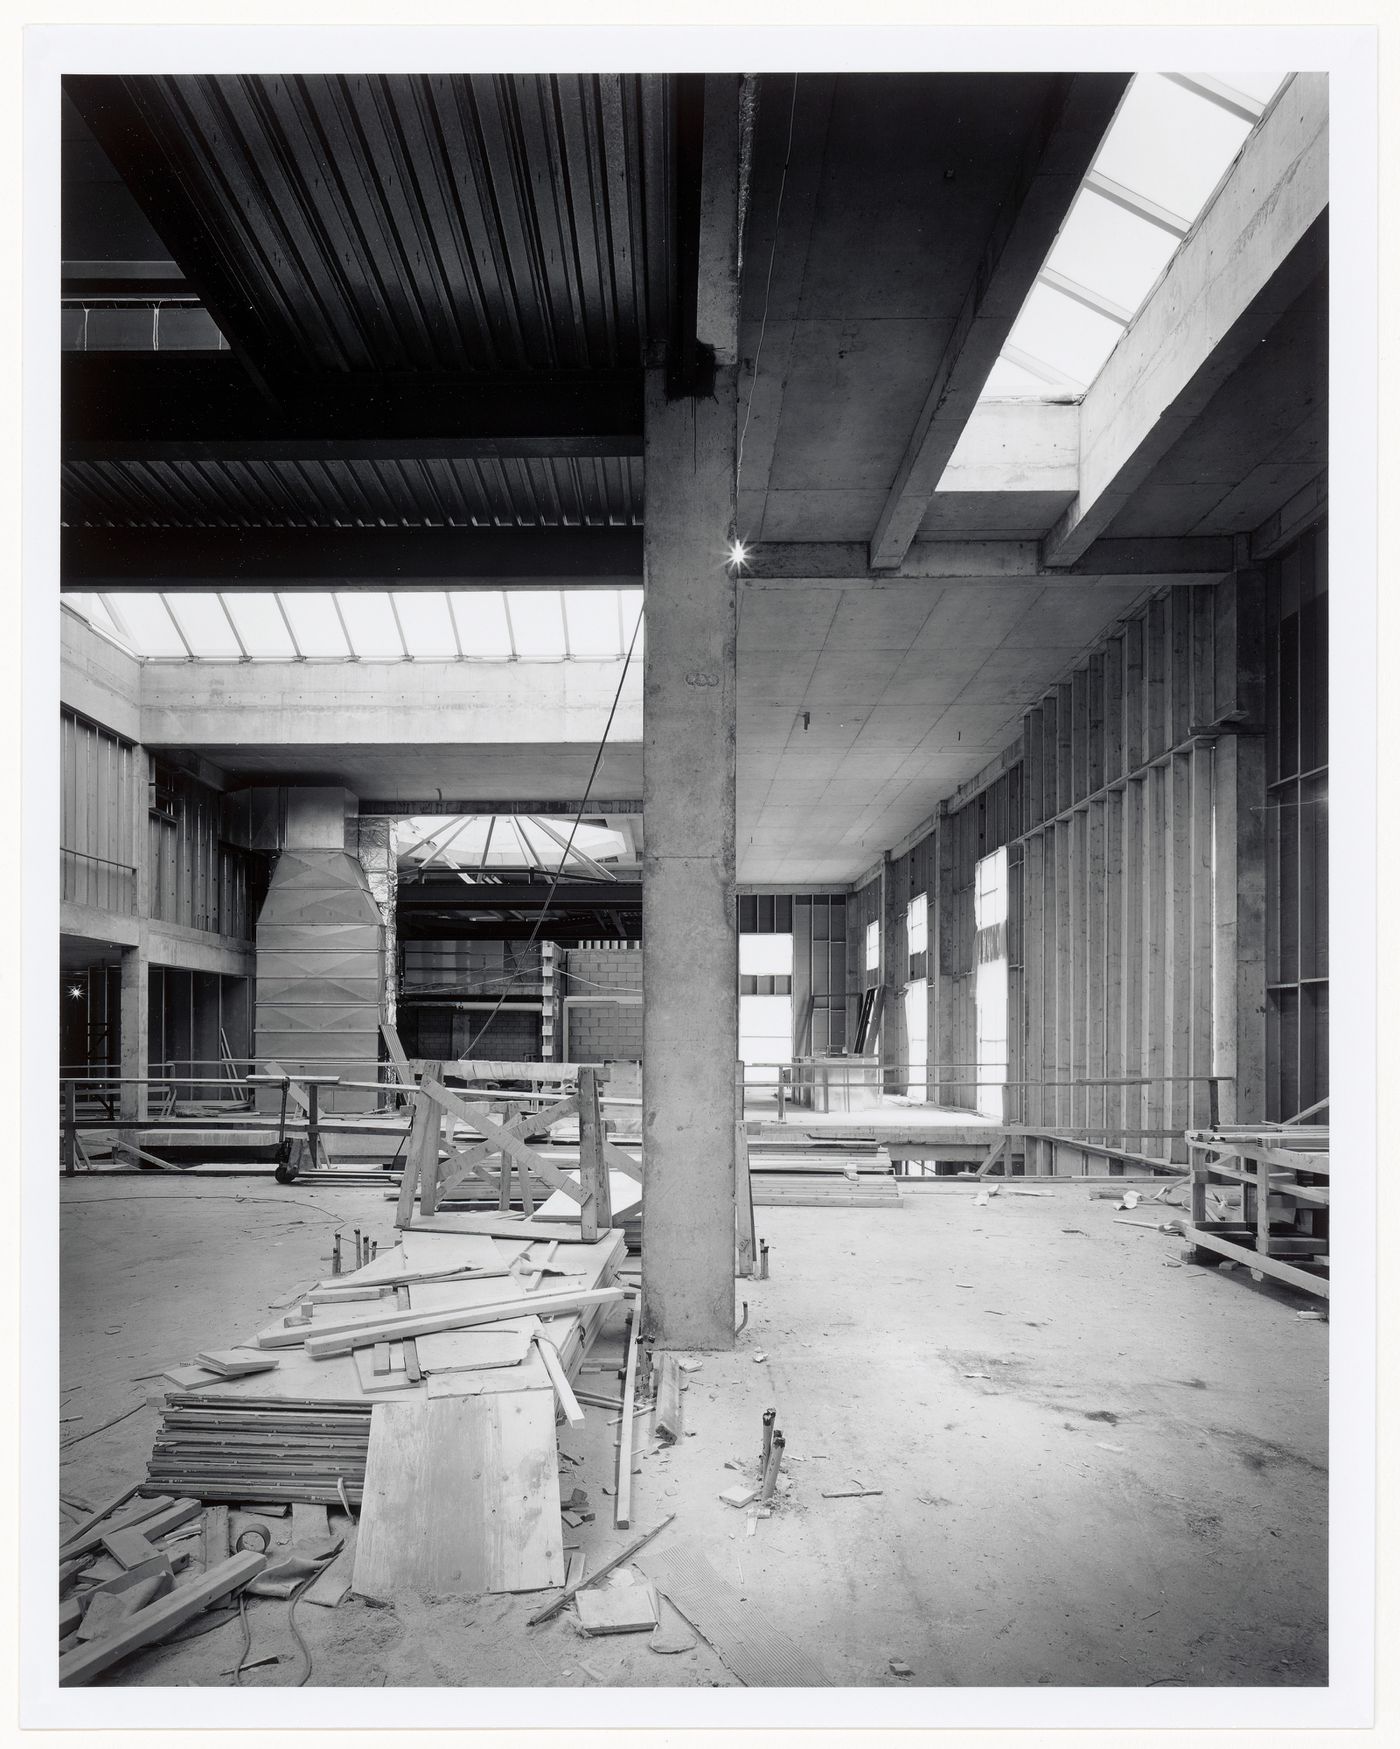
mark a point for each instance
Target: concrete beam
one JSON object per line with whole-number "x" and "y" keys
{"x": 1060, "y": 151}
{"x": 1187, "y": 560}
{"x": 97, "y": 679}
{"x": 1016, "y": 446}
{"x": 717, "y": 287}
{"x": 265, "y": 705}
{"x": 1256, "y": 247}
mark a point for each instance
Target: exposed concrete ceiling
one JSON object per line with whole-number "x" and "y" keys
{"x": 911, "y": 689}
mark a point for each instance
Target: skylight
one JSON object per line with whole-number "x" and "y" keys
{"x": 1173, "y": 138}
{"x": 370, "y": 625}
{"x": 480, "y": 842}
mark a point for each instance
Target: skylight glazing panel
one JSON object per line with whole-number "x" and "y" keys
{"x": 1170, "y": 144}
{"x": 1259, "y": 85}
{"x": 313, "y": 619}
{"x": 1110, "y": 251}
{"x": 1008, "y": 381}
{"x": 205, "y": 626}
{"x": 369, "y": 619}
{"x": 427, "y": 625}
{"x": 592, "y": 619}
{"x": 481, "y": 623}
{"x": 537, "y": 617}
{"x": 147, "y": 626}
{"x": 1064, "y": 334}
{"x": 260, "y": 625}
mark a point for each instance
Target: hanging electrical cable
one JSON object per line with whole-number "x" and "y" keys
{"x": 574, "y": 825}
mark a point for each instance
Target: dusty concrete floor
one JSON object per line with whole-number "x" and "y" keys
{"x": 1096, "y": 1468}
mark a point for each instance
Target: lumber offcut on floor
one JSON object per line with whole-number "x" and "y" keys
{"x": 1025, "y": 1445}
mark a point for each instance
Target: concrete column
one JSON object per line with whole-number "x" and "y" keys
{"x": 690, "y": 1026}
{"x": 135, "y": 1027}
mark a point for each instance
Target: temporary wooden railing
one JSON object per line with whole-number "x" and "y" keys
{"x": 1284, "y": 1177}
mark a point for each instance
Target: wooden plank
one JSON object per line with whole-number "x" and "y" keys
{"x": 89, "y": 1534}
{"x": 622, "y": 1513}
{"x": 461, "y": 1496}
{"x": 595, "y": 1207}
{"x": 422, "y": 1145}
{"x": 335, "y": 1580}
{"x": 428, "y": 1323}
{"x": 158, "y": 1619}
{"x": 216, "y": 1538}
{"x": 397, "y": 1055}
{"x": 233, "y": 1363}
{"x": 431, "y": 1143}
{"x": 745, "y": 1641}
{"x": 669, "y": 1420}
{"x": 746, "y": 1260}
{"x": 563, "y": 1390}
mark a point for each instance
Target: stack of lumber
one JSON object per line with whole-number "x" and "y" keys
{"x": 231, "y": 1449}
{"x": 823, "y": 1189}
{"x": 423, "y": 1388}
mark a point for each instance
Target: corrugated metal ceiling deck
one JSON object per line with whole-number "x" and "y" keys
{"x": 506, "y": 492}
{"x": 410, "y": 223}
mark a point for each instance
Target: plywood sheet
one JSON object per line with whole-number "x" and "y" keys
{"x": 626, "y": 1192}
{"x": 530, "y": 1375}
{"x": 461, "y": 1496}
{"x": 746, "y": 1641}
{"x": 445, "y": 1250}
{"x": 486, "y": 1346}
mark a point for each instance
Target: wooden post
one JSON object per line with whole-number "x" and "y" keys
{"x": 595, "y": 1211}
{"x": 420, "y": 1162}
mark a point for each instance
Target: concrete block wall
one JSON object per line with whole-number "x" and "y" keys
{"x": 605, "y": 1010}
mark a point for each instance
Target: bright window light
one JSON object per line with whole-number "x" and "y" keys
{"x": 481, "y": 622}
{"x": 1173, "y": 139}
{"x": 537, "y": 618}
{"x": 592, "y": 619}
{"x": 872, "y": 947}
{"x": 205, "y": 626}
{"x": 369, "y": 619}
{"x": 260, "y": 625}
{"x": 990, "y": 897}
{"x": 765, "y": 956}
{"x": 916, "y": 920}
{"x": 427, "y": 624}
{"x": 316, "y": 624}
{"x": 1009, "y": 381}
{"x": 142, "y": 619}
{"x": 1110, "y": 250}
{"x": 1064, "y": 334}
{"x": 1170, "y": 144}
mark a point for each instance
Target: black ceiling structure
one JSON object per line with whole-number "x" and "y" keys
{"x": 439, "y": 295}
{"x": 444, "y": 907}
